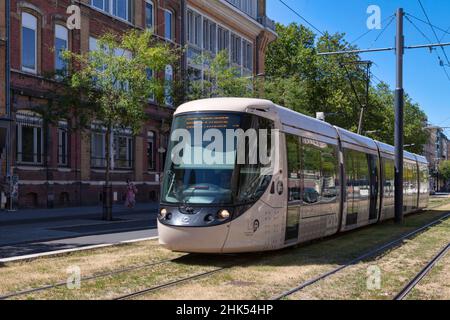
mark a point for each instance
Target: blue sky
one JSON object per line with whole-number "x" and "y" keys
{"x": 425, "y": 80}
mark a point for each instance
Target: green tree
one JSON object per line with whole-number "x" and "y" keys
{"x": 444, "y": 170}
{"x": 220, "y": 79}
{"x": 112, "y": 85}
{"x": 298, "y": 78}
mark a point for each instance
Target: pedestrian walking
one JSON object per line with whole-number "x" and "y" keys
{"x": 130, "y": 200}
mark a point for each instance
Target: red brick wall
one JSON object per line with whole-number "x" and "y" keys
{"x": 43, "y": 185}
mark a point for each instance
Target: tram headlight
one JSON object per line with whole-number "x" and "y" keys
{"x": 224, "y": 214}
{"x": 163, "y": 213}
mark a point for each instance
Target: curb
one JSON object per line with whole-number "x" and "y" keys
{"x": 67, "y": 251}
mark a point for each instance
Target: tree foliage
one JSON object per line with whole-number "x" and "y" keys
{"x": 444, "y": 169}
{"x": 112, "y": 85}
{"x": 220, "y": 79}
{"x": 298, "y": 78}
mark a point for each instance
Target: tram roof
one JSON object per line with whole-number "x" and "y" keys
{"x": 356, "y": 139}
{"x": 387, "y": 148}
{"x": 224, "y": 104}
{"x": 290, "y": 118}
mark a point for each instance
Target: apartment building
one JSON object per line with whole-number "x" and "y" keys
{"x": 56, "y": 166}
{"x": 239, "y": 27}
{"x": 437, "y": 150}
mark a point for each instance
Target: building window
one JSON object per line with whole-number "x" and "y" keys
{"x": 150, "y": 77}
{"x": 149, "y": 15}
{"x": 151, "y": 159}
{"x": 223, "y": 43}
{"x": 249, "y": 7}
{"x": 118, "y": 8}
{"x": 209, "y": 36}
{"x": 168, "y": 86}
{"x": 29, "y": 43}
{"x": 122, "y": 148}
{"x": 236, "y": 49}
{"x": 63, "y": 144}
{"x": 247, "y": 56}
{"x": 123, "y": 151}
{"x": 29, "y": 138}
{"x": 168, "y": 25}
{"x": 61, "y": 44}
{"x": 101, "y": 4}
{"x": 194, "y": 28}
{"x": 98, "y": 149}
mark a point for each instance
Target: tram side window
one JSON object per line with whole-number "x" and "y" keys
{"x": 319, "y": 171}
{"x": 254, "y": 179}
{"x": 424, "y": 180}
{"x": 293, "y": 157}
{"x": 330, "y": 172}
{"x": 389, "y": 177}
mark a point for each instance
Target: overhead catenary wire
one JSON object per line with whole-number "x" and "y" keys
{"x": 446, "y": 32}
{"x": 429, "y": 40}
{"x": 382, "y": 32}
{"x": 372, "y": 30}
{"x": 328, "y": 44}
{"x": 433, "y": 29}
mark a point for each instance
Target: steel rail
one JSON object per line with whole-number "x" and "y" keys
{"x": 422, "y": 274}
{"x": 371, "y": 253}
{"x": 170, "y": 284}
{"x": 93, "y": 277}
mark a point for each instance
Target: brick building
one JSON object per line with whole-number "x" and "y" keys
{"x": 57, "y": 167}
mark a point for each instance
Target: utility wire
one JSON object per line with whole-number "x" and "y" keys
{"x": 377, "y": 78}
{"x": 382, "y": 32}
{"x": 323, "y": 34}
{"x": 301, "y": 17}
{"x": 371, "y": 30}
{"x": 429, "y": 40}
{"x": 446, "y": 32}
{"x": 434, "y": 31}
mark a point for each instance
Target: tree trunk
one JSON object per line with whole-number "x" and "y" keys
{"x": 107, "y": 192}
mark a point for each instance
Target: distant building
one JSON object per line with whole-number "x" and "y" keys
{"x": 437, "y": 150}
{"x": 56, "y": 167}
{"x": 241, "y": 28}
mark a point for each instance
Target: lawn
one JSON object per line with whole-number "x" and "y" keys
{"x": 261, "y": 277}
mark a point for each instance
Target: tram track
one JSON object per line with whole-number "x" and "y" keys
{"x": 89, "y": 278}
{"x": 422, "y": 273}
{"x": 170, "y": 284}
{"x": 173, "y": 283}
{"x": 371, "y": 253}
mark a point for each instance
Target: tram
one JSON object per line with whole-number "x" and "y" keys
{"x": 321, "y": 180}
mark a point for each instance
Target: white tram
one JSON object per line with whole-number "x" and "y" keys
{"x": 325, "y": 180}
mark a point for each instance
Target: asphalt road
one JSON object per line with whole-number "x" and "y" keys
{"x": 20, "y": 238}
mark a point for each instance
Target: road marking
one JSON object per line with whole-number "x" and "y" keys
{"x": 65, "y": 251}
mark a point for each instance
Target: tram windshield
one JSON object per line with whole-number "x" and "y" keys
{"x": 218, "y": 159}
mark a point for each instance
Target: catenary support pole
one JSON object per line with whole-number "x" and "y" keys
{"x": 399, "y": 106}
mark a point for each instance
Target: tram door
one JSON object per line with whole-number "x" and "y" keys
{"x": 374, "y": 186}
{"x": 294, "y": 189}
